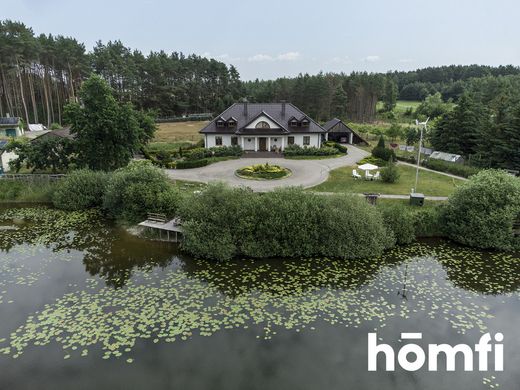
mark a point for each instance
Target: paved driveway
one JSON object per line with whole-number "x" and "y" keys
{"x": 305, "y": 173}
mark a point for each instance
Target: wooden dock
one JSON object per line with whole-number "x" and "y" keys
{"x": 172, "y": 229}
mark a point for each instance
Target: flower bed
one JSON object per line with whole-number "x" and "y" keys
{"x": 263, "y": 172}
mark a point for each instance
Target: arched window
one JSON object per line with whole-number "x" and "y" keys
{"x": 262, "y": 125}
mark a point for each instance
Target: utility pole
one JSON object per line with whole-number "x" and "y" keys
{"x": 423, "y": 127}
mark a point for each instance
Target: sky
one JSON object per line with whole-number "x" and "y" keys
{"x": 274, "y": 38}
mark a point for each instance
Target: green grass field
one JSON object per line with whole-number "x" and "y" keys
{"x": 430, "y": 183}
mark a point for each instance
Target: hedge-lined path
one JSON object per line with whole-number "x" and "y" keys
{"x": 432, "y": 170}
{"x": 305, "y": 173}
{"x": 386, "y": 196}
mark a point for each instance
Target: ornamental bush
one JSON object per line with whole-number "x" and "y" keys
{"x": 390, "y": 173}
{"x": 481, "y": 212}
{"x": 221, "y": 223}
{"x": 383, "y": 153}
{"x": 297, "y": 150}
{"x": 191, "y": 164}
{"x": 137, "y": 189}
{"x": 80, "y": 190}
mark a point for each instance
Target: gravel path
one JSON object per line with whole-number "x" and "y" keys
{"x": 305, "y": 173}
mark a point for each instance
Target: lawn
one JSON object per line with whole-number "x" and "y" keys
{"x": 430, "y": 183}
{"x": 175, "y": 132}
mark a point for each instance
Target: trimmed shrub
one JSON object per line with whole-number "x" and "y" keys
{"x": 80, "y": 190}
{"x": 297, "y": 150}
{"x": 137, "y": 189}
{"x": 196, "y": 154}
{"x": 373, "y": 160}
{"x": 390, "y": 173}
{"x": 224, "y": 151}
{"x": 336, "y": 145}
{"x": 191, "y": 164}
{"x": 222, "y": 222}
{"x": 400, "y": 221}
{"x": 383, "y": 153}
{"x": 481, "y": 212}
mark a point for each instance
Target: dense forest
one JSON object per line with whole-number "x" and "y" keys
{"x": 475, "y": 109}
{"x": 40, "y": 74}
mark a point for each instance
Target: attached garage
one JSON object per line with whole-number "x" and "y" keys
{"x": 338, "y": 131}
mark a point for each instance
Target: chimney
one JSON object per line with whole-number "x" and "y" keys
{"x": 283, "y": 108}
{"x": 245, "y": 108}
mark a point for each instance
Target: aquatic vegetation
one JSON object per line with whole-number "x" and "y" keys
{"x": 208, "y": 297}
{"x": 50, "y": 227}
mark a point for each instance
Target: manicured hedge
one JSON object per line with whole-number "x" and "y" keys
{"x": 336, "y": 145}
{"x": 187, "y": 164}
{"x": 297, "y": 150}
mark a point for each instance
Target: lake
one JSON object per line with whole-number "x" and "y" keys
{"x": 85, "y": 304}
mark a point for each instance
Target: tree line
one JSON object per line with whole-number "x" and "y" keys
{"x": 328, "y": 95}
{"x": 40, "y": 74}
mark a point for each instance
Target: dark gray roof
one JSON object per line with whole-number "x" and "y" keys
{"x": 9, "y": 120}
{"x": 330, "y": 124}
{"x": 254, "y": 110}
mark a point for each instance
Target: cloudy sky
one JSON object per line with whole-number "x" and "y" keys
{"x": 273, "y": 38}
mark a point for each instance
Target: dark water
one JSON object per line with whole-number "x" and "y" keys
{"x": 86, "y": 305}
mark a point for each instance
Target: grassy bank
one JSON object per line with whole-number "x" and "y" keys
{"x": 430, "y": 183}
{"x": 26, "y": 191}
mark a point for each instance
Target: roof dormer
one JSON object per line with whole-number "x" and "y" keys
{"x": 305, "y": 122}
{"x": 293, "y": 122}
{"x": 232, "y": 122}
{"x": 220, "y": 122}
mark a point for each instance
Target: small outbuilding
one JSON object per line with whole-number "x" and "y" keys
{"x": 449, "y": 157}
{"x": 339, "y": 131}
{"x": 11, "y": 127}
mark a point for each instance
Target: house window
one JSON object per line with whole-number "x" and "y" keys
{"x": 305, "y": 123}
{"x": 306, "y": 140}
{"x": 218, "y": 140}
{"x": 220, "y": 123}
{"x": 234, "y": 141}
{"x": 262, "y": 125}
{"x": 231, "y": 123}
{"x": 293, "y": 123}
{"x": 290, "y": 140}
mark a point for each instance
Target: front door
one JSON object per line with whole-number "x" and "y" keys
{"x": 263, "y": 144}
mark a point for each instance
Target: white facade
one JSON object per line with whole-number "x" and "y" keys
{"x": 262, "y": 118}
{"x": 5, "y": 158}
{"x": 264, "y": 142}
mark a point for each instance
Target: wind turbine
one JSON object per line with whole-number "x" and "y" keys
{"x": 424, "y": 126}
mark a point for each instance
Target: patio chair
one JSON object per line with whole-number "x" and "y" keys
{"x": 368, "y": 176}
{"x": 377, "y": 176}
{"x": 355, "y": 175}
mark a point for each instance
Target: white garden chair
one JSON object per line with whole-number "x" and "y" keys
{"x": 377, "y": 176}
{"x": 355, "y": 175}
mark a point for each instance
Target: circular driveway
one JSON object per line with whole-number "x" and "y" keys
{"x": 305, "y": 173}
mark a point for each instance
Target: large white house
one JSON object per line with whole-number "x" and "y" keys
{"x": 263, "y": 127}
